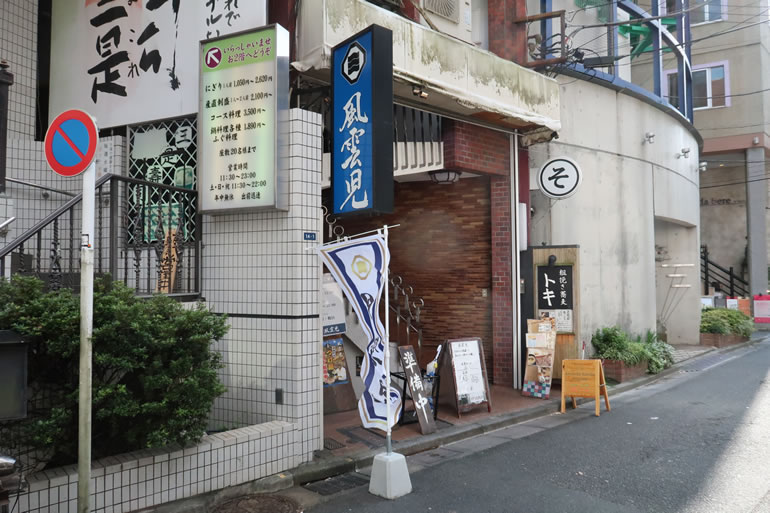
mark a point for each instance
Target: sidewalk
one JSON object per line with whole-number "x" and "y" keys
{"x": 357, "y": 446}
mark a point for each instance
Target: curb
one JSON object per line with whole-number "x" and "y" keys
{"x": 324, "y": 468}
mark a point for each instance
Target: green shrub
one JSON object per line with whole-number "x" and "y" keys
{"x": 659, "y": 354}
{"x": 154, "y": 373}
{"x": 726, "y": 322}
{"x": 614, "y": 344}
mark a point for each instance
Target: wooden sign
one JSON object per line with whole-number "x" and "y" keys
{"x": 541, "y": 349}
{"x": 168, "y": 264}
{"x": 583, "y": 378}
{"x": 416, "y": 387}
{"x": 463, "y": 360}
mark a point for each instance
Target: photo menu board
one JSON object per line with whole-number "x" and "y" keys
{"x": 241, "y": 121}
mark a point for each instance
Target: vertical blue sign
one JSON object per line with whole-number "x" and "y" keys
{"x": 362, "y": 123}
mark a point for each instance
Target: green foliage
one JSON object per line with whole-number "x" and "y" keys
{"x": 613, "y": 343}
{"x": 154, "y": 373}
{"x": 726, "y": 322}
{"x": 659, "y": 355}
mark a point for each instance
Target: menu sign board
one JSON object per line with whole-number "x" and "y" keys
{"x": 464, "y": 360}
{"x": 244, "y": 88}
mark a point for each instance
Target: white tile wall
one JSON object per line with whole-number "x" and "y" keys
{"x": 256, "y": 268}
{"x": 18, "y": 46}
{"x": 142, "y": 479}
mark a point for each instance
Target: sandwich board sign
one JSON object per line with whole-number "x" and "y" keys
{"x": 583, "y": 378}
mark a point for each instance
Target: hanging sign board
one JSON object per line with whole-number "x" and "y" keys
{"x": 463, "y": 360}
{"x": 583, "y": 378}
{"x": 559, "y": 178}
{"x": 244, "y": 100}
{"x": 335, "y": 369}
{"x": 362, "y": 123}
{"x": 416, "y": 387}
{"x": 555, "y": 295}
{"x": 129, "y": 62}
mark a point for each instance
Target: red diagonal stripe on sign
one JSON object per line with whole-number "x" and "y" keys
{"x": 69, "y": 141}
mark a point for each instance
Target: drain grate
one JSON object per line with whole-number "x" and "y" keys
{"x": 336, "y": 484}
{"x": 260, "y": 504}
{"x": 331, "y": 444}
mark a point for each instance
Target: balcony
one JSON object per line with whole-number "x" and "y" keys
{"x": 460, "y": 78}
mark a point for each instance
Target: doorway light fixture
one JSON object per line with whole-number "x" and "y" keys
{"x": 444, "y": 177}
{"x": 417, "y": 90}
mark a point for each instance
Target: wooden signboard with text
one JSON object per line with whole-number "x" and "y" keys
{"x": 168, "y": 264}
{"x": 583, "y": 378}
{"x": 462, "y": 360}
{"x": 417, "y": 389}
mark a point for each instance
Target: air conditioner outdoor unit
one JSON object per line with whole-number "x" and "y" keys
{"x": 452, "y": 17}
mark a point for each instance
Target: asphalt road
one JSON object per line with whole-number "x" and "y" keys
{"x": 697, "y": 441}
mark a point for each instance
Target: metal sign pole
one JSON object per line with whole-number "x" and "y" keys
{"x": 86, "y": 329}
{"x": 388, "y": 440}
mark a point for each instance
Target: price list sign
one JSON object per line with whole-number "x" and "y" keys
{"x": 244, "y": 88}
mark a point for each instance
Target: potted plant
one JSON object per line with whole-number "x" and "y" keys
{"x": 626, "y": 358}
{"x": 721, "y": 327}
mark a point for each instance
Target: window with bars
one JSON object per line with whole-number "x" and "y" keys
{"x": 164, "y": 152}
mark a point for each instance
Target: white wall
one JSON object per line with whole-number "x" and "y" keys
{"x": 256, "y": 270}
{"x": 626, "y": 186}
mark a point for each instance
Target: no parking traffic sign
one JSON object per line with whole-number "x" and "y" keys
{"x": 70, "y": 142}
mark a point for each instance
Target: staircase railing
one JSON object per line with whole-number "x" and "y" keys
{"x": 406, "y": 328}
{"x": 720, "y": 278}
{"x": 138, "y": 224}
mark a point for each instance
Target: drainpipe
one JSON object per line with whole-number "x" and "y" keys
{"x": 6, "y": 80}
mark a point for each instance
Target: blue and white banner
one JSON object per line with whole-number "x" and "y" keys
{"x": 358, "y": 267}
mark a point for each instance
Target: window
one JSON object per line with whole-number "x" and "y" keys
{"x": 709, "y": 87}
{"x": 706, "y": 10}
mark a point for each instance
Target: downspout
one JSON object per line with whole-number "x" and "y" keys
{"x": 515, "y": 270}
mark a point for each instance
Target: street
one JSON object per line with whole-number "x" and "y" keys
{"x": 695, "y": 441}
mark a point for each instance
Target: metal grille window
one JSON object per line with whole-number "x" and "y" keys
{"x": 164, "y": 152}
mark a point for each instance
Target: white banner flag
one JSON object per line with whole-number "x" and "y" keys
{"x": 358, "y": 266}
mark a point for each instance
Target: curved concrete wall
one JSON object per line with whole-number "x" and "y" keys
{"x": 637, "y": 209}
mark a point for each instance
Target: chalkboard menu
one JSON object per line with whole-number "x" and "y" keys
{"x": 464, "y": 360}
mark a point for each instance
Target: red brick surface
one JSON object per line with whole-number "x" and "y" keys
{"x": 442, "y": 249}
{"x": 717, "y": 340}
{"x": 506, "y": 39}
{"x": 474, "y": 149}
{"x": 620, "y": 372}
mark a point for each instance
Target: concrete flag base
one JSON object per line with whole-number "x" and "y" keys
{"x": 390, "y": 476}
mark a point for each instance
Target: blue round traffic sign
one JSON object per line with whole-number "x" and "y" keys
{"x": 70, "y": 142}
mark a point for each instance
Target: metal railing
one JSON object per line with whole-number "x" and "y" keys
{"x": 405, "y": 326}
{"x": 138, "y": 224}
{"x": 720, "y": 278}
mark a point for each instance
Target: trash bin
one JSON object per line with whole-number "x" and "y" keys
{"x": 13, "y": 376}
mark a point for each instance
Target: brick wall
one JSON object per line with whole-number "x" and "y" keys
{"x": 506, "y": 39}
{"x": 442, "y": 249}
{"x": 502, "y": 323}
{"x": 473, "y": 149}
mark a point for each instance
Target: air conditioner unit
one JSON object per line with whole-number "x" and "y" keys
{"x": 452, "y": 17}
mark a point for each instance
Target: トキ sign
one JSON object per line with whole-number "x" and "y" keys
{"x": 583, "y": 378}
{"x": 362, "y": 123}
{"x": 559, "y": 178}
{"x": 70, "y": 142}
{"x": 244, "y": 92}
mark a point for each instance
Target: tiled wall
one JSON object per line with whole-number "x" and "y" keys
{"x": 7, "y": 211}
{"x": 18, "y": 46}
{"x": 142, "y": 479}
{"x": 257, "y": 270}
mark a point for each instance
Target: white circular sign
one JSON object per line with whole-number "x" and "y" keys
{"x": 559, "y": 178}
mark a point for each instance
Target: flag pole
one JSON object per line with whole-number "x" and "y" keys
{"x": 388, "y": 440}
